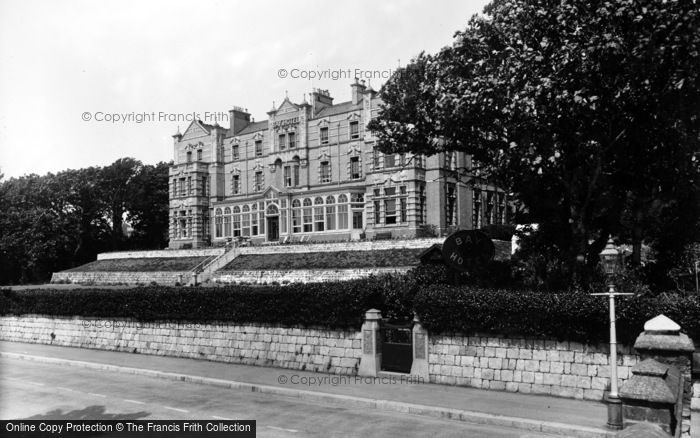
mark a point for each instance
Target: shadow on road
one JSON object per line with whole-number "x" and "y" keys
{"x": 89, "y": 413}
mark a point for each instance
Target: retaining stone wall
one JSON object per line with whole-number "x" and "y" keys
{"x": 277, "y": 249}
{"x": 167, "y": 278}
{"x": 300, "y": 275}
{"x": 333, "y": 351}
{"x": 565, "y": 369}
{"x": 206, "y": 252}
{"x": 559, "y": 368}
{"x": 372, "y": 245}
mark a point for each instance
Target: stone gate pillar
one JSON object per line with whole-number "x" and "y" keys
{"x": 419, "y": 367}
{"x": 664, "y": 351}
{"x": 371, "y": 361}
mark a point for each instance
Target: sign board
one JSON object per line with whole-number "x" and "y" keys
{"x": 467, "y": 247}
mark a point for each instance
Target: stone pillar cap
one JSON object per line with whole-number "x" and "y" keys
{"x": 679, "y": 342}
{"x": 650, "y": 367}
{"x": 373, "y": 314}
{"x": 661, "y": 323}
{"x": 652, "y": 381}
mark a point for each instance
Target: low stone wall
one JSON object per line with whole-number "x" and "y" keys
{"x": 300, "y": 276}
{"x": 166, "y": 278}
{"x": 564, "y": 369}
{"x": 205, "y": 252}
{"x": 332, "y": 351}
{"x": 558, "y": 368}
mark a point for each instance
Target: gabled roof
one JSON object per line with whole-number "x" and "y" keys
{"x": 286, "y": 104}
{"x": 253, "y": 127}
{"x": 197, "y": 128}
{"x": 340, "y": 108}
{"x": 273, "y": 188}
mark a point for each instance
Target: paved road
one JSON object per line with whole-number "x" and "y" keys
{"x": 32, "y": 390}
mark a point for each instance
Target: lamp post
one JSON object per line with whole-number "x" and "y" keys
{"x": 610, "y": 259}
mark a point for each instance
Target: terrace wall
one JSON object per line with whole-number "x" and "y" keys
{"x": 301, "y": 275}
{"x": 206, "y": 252}
{"x": 165, "y": 278}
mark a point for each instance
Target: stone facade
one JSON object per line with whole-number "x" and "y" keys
{"x": 538, "y": 366}
{"x": 311, "y": 172}
{"x": 332, "y": 351}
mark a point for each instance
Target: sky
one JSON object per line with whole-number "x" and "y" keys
{"x": 84, "y": 83}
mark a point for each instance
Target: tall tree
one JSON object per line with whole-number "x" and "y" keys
{"x": 117, "y": 186}
{"x": 588, "y": 112}
{"x": 148, "y": 207}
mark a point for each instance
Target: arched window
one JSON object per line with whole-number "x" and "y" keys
{"x": 245, "y": 222}
{"x": 217, "y": 223}
{"x": 307, "y": 216}
{"x": 319, "y": 224}
{"x": 330, "y": 213}
{"x": 254, "y": 220}
{"x": 227, "y": 222}
{"x": 296, "y": 216}
{"x": 236, "y": 221}
{"x": 343, "y": 212}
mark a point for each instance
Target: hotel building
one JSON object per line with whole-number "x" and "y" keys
{"x": 311, "y": 172}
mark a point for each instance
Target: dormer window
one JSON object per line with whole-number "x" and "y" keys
{"x": 324, "y": 135}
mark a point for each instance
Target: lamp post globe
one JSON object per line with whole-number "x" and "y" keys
{"x": 610, "y": 259}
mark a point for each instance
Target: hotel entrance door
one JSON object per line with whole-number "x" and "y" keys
{"x": 273, "y": 229}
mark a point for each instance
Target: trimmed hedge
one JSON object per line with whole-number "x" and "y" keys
{"x": 328, "y": 305}
{"x": 574, "y": 316}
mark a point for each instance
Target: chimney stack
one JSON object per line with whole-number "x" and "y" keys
{"x": 239, "y": 118}
{"x": 320, "y": 99}
{"x": 357, "y": 91}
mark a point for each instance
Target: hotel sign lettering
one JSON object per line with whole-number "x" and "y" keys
{"x": 467, "y": 247}
{"x": 285, "y": 124}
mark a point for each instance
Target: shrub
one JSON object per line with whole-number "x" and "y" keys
{"x": 499, "y": 231}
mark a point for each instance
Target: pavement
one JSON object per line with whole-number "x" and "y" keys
{"x": 391, "y": 392}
